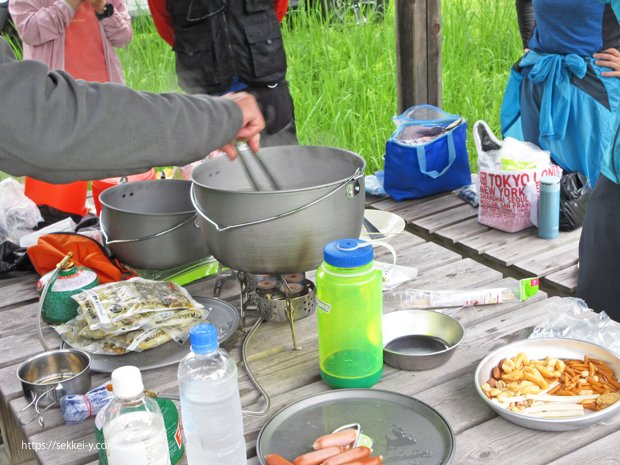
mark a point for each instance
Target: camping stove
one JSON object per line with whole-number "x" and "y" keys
{"x": 280, "y": 298}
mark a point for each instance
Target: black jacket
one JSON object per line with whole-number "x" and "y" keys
{"x": 215, "y": 40}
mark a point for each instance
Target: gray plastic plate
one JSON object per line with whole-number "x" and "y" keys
{"x": 404, "y": 430}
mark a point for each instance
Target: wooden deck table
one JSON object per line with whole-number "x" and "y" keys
{"x": 288, "y": 375}
{"x": 453, "y": 223}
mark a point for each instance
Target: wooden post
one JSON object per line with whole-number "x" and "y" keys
{"x": 418, "y": 52}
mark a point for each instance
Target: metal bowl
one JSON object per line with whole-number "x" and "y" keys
{"x": 539, "y": 349}
{"x": 419, "y": 339}
{"x": 53, "y": 374}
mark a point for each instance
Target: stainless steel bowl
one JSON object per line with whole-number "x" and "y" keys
{"x": 419, "y": 339}
{"x": 48, "y": 376}
{"x": 539, "y": 349}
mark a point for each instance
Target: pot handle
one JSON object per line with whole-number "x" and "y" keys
{"x": 355, "y": 176}
{"x": 145, "y": 238}
{"x": 38, "y": 413}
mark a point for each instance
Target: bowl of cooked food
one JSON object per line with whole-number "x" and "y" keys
{"x": 551, "y": 384}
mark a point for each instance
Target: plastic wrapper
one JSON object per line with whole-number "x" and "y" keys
{"x": 395, "y": 275}
{"x": 76, "y": 408}
{"x": 18, "y": 214}
{"x": 112, "y": 302}
{"x": 122, "y": 343}
{"x": 468, "y": 194}
{"x": 131, "y": 316}
{"x": 374, "y": 185}
{"x": 575, "y": 193}
{"x": 418, "y": 298}
{"x": 572, "y": 318}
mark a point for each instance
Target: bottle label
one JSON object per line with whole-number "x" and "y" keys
{"x": 323, "y": 306}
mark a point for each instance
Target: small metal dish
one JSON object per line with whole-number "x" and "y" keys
{"x": 418, "y": 340}
{"x": 48, "y": 376}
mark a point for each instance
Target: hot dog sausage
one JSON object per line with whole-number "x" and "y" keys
{"x": 341, "y": 438}
{"x": 317, "y": 457}
{"x": 275, "y": 459}
{"x": 348, "y": 456}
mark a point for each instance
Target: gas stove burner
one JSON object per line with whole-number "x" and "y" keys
{"x": 288, "y": 305}
{"x": 293, "y": 277}
{"x": 295, "y": 289}
{"x": 266, "y": 284}
{"x": 283, "y": 298}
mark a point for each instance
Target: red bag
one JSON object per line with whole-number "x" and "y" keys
{"x": 50, "y": 249}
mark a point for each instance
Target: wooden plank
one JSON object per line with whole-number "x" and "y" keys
{"x": 390, "y": 205}
{"x": 431, "y": 224}
{"x": 498, "y": 441}
{"x": 600, "y": 452}
{"x": 518, "y": 250}
{"x": 20, "y": 291}
{"x": 492, "y": 239}
{"x": 564, "y": 281}
{"x": 431, "y": 207}
{"x": 423, "y": 257}
{"x": 13, "y": 437}
{"x": 550, "y": 261}
{"x": 459, "y": 231}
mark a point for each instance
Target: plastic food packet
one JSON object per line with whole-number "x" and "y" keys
{"x": 77, "y": 408}
{"x": 417, "y": 298}
{"x": 153, "y": 333}
{"x": 109, "y": 303}
{"x": 395, "y": 275}
{"x": 133, "y": 341}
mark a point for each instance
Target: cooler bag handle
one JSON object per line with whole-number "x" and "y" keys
{"x": 421, "y": 152}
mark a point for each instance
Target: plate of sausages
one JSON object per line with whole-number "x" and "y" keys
{"x": 356, "y": 427}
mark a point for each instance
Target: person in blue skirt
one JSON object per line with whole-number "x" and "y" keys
{"x": 563, "y": 93}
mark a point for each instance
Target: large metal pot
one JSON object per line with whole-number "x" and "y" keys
{"x": 321, "y": 198}
{"x": 152, "y": 224}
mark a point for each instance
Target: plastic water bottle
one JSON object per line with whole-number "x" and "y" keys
{"x": 549, "y": 207}
{"x": 210, "y": 403}
{"x": 133, "y": 426}
{"x": 350, "y": 308}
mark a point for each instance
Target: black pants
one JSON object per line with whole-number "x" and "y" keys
{"x": 599, "y": 250}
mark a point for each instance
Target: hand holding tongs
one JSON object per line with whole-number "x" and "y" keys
{"x": 245, "y": 155}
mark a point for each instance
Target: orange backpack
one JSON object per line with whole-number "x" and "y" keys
{"x": 50, "y": 249}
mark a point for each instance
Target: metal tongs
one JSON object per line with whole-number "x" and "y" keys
{"x": 247, "y": 156}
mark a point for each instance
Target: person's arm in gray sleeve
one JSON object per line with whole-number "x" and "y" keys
{"x": 526, "y": 19}
{"x": 57, "y": 129}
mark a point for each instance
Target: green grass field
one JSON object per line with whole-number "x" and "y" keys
{"x": 343, "y": 75}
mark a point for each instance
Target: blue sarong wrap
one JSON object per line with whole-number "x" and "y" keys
{"x": 542, "y": 106}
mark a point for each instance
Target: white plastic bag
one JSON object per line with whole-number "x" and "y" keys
{"x": 18, "y": 214}
{"x": 509, "y": 197}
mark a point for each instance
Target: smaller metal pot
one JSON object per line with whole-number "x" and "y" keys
{"x": 48, "y": 376}
{"x": 419, "y": 339}
{"x": 152, "y": 225}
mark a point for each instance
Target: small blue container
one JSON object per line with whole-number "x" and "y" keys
{"x": 549, "y": 207}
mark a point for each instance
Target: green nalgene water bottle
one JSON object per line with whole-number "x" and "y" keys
{"x": 350, "y": 307}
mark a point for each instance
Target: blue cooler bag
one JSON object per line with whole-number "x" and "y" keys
{"x": 426, "y": 154}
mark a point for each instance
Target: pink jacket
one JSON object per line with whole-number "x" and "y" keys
{"x": 41, "y": 25}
